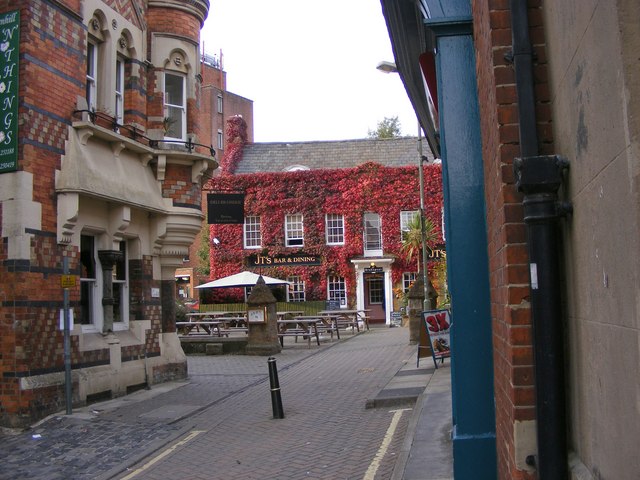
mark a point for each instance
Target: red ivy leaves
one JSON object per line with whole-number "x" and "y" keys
{"x": 351, "y": 192}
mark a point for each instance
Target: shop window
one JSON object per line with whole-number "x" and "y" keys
{"x": 295, "y": 292}
{"x": 252, "y": 233}
{"x": 334, "y": 227}
{"x": 294, "y": 230}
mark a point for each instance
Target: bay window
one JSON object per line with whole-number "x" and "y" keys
{"x": 175, "y": 106}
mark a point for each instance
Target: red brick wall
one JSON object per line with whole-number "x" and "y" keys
{"x": 52, "y": 60}
{"x": 508, "y": 258}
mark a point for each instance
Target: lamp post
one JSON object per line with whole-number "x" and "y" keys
{"x": 390, "y": 67}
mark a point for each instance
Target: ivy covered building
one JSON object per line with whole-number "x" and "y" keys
{"x": 326, "y": 216}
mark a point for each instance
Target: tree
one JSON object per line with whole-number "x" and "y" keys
{"x": 412, "y": 238}
{"x": 203, "y": 268}
{"x": 387, "y": 128}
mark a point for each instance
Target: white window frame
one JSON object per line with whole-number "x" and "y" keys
{"x": 220, "y": 139}
{"x": 295, "y": 291}
{"x": 180, "y": 132}
{"x": 220, "y": 104}
{"x": 372, "y": 235}
{"x": 119, "y": 90}
{"x": 407, "y": 280}
{"x": 123, "y": 282}
{"x": 334, "y": 228}
{"x": 406, "y": 216}
{"x": 337, "y": 289}
{"x": 94, "y": 290}
{"x": 294, "y": 230}
{"x": 91, "y": 91}
{"x": 252, "y": 232}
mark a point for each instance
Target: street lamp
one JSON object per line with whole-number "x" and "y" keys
{"x": 390, "y": 67}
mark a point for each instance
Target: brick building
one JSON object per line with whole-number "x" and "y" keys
{"x": 217, "y": 104}
{"x": 339, "y": 206}
{"x": 102, "y": 168}
{"x": 543, "y": 390}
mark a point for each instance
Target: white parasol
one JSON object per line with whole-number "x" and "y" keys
{"x": 242, "y": 279}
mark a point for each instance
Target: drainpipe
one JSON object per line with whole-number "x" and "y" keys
{"x": 539, "y": 177}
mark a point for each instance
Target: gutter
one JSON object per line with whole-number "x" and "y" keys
{"x": 539, "y": 177}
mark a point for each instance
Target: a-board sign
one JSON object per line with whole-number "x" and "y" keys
{"x": 435, "y": 335}
{"x": 332, "y": 305}
{"x": 396, "y": 319}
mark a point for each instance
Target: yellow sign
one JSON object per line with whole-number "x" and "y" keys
{"x": 68, "y": 281}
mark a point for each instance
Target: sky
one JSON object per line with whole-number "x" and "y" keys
{"x": 309, "y": 67}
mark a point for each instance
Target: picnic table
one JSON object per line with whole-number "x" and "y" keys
{"x": 348, "y": 318}
{"x": 218, "y": 323}
{"x": 209, "y": 326}
{"x": 299, "y": 326}
{"x": 289, "y": 313}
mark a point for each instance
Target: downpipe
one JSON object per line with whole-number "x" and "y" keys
{"x": 539, "y": 178}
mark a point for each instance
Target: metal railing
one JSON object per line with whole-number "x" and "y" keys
{"x": 136, "y": 135}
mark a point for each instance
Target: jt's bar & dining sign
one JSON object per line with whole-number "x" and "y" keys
{"x": 9, "y": 41}
{"x": 258, "y": 260}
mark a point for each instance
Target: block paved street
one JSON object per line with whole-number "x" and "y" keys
{"x": 219, "y": 424}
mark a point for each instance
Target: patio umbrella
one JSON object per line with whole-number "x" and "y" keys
{"x": 242, "y": 279}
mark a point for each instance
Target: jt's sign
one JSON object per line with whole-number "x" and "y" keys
{"x": 9, "y": 42}
{"x": 281, "y": 260}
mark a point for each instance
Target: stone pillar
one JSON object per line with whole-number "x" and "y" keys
{"x": 415, "y": 306}
{"x": 168, "y": 302}
{"x": 108, "y": 259}
{"x": 263, "y": 336}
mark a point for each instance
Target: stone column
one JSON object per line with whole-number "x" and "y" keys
{"x": 108, "y": 259}
{"x": 263, "y": 337}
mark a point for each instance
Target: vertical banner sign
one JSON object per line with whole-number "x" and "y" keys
{"x": 9, "y": 41}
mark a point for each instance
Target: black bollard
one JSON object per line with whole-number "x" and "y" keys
{"x": 276, "y": 399}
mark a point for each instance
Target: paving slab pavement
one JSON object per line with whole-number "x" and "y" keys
{"x": 109, "y": 439}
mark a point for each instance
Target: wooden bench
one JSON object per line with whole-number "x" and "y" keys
{"x": 306, "y": 327}
{"x": 185, "y": 328}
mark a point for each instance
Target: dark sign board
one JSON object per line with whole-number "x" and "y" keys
{"x": 332, "y": 305}
{"x": 225, "y": 208}
{"x": 9, "y": 55}
{"x": 304, "y": 259}
{"x": 373, "y": 270}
